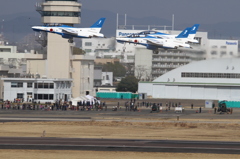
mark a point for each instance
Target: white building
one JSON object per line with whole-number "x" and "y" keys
{"x": 107, "y": 78}
{"x": 8, "y": 49}
{"x": 13, "y": 63}
{"x": 106, "y": 89}
{"x": 43, "y": 90}
{"x": 10, "y": 57}
{"x": 215, "y": 79}
{"x": 221, "y": 49}
{"x": 98, "y": 45}
{"x": 106, "y": 48}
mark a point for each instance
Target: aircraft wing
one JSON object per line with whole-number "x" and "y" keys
{"x": 155, "y": 42}
{"x": 69, "y": 31}
{"x": 161, "y": 43}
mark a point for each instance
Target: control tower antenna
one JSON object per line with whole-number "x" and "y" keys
{"x": 117, "y": 20}
{"x": 173, "y": 22}
{"x": 2, "y": 26}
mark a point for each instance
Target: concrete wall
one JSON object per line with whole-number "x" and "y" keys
{"x": 37, "y": 66}
{"x": 58, "y": 57}
{"x": 82, "y": 75}
{"x": 143, "y": 63}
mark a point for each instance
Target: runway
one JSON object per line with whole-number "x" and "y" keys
{"x": 120, "y": 145}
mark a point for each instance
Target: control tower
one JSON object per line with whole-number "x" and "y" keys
{"x": 59, "y": 51}
{"x": 60, "y": 63}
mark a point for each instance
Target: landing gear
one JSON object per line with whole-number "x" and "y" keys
{"x": 70, "y": 40}
{"x": 155, "y": 51}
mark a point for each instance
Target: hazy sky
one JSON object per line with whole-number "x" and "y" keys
{"x": 185, "y": 11}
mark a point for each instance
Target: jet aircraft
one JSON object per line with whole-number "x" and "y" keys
{"x": 153, "y": 42}
{"x": 69, "y": 32}
{"x": 190, "y": 38}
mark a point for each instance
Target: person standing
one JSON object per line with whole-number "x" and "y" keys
{"x": 126, "y": 105}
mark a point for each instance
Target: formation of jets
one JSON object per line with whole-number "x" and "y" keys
{"x": 152, "y": 40}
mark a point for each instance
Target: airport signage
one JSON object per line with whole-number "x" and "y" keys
{"x": 231, "y": 43}
{"x": 124, "y": 33}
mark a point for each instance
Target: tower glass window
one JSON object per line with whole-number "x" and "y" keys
{"x": 61, "y": 14}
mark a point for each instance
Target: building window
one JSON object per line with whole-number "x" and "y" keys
{"x": 209, "y": 75}
{"x": 44, "y": 96}
{"x": 231, "y": 53}
{"x": 131, "y": 57}
{"x": 88, "y": 50}
{"x": 13, "y": 84}
{"x": 88, "y": 44}
{"x": 223, "y": 47}
{"x": 119, "y": 56}
{"x": 214, "y": 52}
{"x": 183, "y": 74}
{"x": 20, "y": 95}
{"x": 40, "y": 85}
{"x": 51, "y": 85}
{"x": 198, "y": 39}
{"x": 39, "y": 96}
{"x": 61, "y": 14}
{"x": 35, "y": 96}
{"x": 20, "y": 84}
{"x": 214, "y": 46}
{"x": 17, "y": 84}
{"x": 29, "y": 85}
{"x": 45, "y": 86}
{"x": 223, "y": 52}
{"x": 51, "y": 96}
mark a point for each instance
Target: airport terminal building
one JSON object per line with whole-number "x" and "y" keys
{"x": 215, "y": 79}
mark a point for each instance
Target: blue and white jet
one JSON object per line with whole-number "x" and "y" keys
{"x": 69, "y": 32}
{"x": 190, "y": 37}
{"x": 153, "y": 41}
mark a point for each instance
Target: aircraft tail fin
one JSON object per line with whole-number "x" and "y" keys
{"x": 99, "y": 23}
{"x": 96, "y": 27}
{"x": 193, "y": 31}
{"x": 185, "y": 33}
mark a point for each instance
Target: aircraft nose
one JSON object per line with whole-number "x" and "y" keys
{"x": 35, "y": 28}
{"x": 119, "y": 39}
